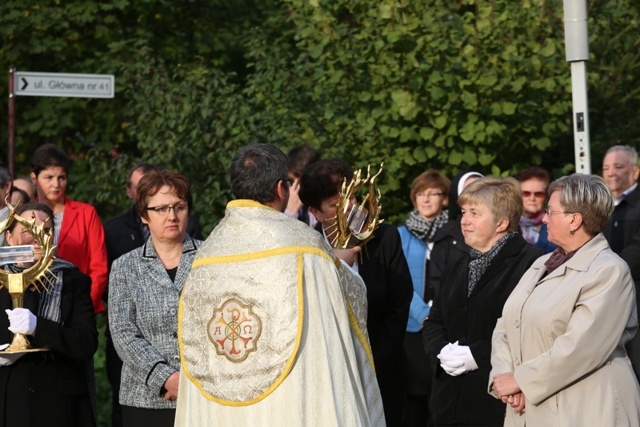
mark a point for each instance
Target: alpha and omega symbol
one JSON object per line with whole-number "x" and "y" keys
{"x": 234, "y": 330}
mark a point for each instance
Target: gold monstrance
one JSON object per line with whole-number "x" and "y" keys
{"x": 355, "y": 225}
{"x": 17, "y": 283}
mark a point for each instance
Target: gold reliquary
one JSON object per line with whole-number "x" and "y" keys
{"x": 355, "y": 223}
{"x": 35, "y": 275}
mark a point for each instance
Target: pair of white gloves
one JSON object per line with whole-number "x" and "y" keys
{"x": 21, "y": 321}
{"x": 457, "y": 359}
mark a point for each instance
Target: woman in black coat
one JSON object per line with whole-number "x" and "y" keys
{"x": 47, "y": 388}
{"x": 457, "y": 334}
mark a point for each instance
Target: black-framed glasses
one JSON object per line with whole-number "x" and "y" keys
{"x": 178, "y": 209}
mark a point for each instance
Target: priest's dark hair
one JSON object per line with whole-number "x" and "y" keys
{"x": 256, "y": 170}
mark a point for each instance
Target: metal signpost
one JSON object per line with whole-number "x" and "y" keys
{"x": 26, "y": 83}
{"x": 576, "y": 41}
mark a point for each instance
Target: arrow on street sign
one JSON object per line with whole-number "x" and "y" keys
{"x": 64, "y": 85}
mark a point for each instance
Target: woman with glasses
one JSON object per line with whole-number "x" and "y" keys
{"x": 428, "y": 194}
{"x": 558, "y": 352}
{"x": 52, "y": 387}
{"x": 533, "y": 184}
{"x": 144, "y": 288}
{"x": 457, "y": 334}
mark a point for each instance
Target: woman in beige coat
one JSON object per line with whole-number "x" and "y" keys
{"x": 558, "y": 356}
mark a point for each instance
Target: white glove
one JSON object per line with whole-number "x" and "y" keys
{"x": 454, "y": 368}
{"x": 448, "y": 362}
{"x": 448, "y": 352}
{"x": 7, "y": 359}
{"x": 464, "y": 355}
{"x": 22, "y": 321}
{"x": 457, "y": 359}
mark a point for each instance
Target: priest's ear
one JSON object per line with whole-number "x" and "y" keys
{"x": 282, "y": 194}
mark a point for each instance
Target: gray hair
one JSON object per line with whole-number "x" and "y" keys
{"x": 631, "y": 152}
{"x": 587, "y": 195}
{"x": 256, "y": 170}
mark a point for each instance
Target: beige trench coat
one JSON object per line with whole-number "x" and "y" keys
{"x": 563, "y": 338}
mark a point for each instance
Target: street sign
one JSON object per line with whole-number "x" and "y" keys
{"x": 64, "y": 85}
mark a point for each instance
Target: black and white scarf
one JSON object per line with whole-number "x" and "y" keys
{"x": 49, "y": 299}
{"x": 481, "y": 261}
{"x": 423, "y": 229}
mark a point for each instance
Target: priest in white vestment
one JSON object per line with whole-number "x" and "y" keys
{"x": 272, "y": 327}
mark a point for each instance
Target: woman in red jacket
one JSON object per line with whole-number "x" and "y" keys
{"x": 78, "y": 230}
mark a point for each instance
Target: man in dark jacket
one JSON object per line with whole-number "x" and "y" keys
{"x": 620, "y": 172}
{"x": 384, "y": 270}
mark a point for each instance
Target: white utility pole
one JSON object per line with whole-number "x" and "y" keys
{"x": 576, "y": 41}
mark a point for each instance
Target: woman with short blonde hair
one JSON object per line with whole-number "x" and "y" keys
{"x": 457, "y": 334}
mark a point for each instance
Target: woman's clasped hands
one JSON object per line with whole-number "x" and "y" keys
{"x": 507, "y": 390}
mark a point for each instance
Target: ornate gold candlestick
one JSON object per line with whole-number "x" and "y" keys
{"x": 18, "y": 283}
{"x": 355, "y": 224}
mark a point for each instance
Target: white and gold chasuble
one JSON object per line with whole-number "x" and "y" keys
{"x": 272, "y": 329}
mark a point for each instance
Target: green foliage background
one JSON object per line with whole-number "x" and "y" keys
{"x": 450, "y": 84}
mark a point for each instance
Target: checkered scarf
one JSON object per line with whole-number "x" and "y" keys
{"x": 423, "y": 229}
